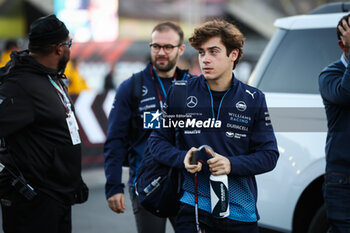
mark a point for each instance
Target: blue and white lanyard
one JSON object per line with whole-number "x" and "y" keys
{"x": 212, "y": 102}
{"x": 153, "y": 71}
{"x": 195, "y": 175}
{"x": 63, "y": 97}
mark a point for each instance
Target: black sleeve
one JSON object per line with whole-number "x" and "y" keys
{"x": 16, "y": 109}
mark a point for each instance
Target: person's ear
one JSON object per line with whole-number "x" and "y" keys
{"x": 59, "y": 50}
{"x": 341, "y": 45}
{"x": 234, "y": 54}
{"x": 182, "y": 49}
{"x": 344, "y": 48}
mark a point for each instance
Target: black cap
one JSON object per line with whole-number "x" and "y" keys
{"x": 47, "y": 30}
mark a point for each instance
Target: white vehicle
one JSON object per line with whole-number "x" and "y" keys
{"x": 290, "y": 197}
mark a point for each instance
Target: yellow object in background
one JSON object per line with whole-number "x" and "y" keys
{"x": 10, "y": 45}
{"x": 76, "y": 82}
{"x": 5, "y": 57}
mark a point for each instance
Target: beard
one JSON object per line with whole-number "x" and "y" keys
{"x": 166, "y": 66}
{"x": 62, "y": 63}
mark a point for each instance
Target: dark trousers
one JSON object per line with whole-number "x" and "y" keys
{"x": 186, "y": 223}
{"x": 145, "y": 221}
{"x": 337, "y": 201}
{"x": 40, "y": 215}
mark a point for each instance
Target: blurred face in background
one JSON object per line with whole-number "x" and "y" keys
{"x": 165, "y": 50}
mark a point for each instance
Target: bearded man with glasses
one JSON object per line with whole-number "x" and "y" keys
{"x": 128, "y": 140}
{"x": 40, "y": 155}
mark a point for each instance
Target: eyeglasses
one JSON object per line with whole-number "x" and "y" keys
{"x": 168, "y": 48}
{"x": 69, "y": 43}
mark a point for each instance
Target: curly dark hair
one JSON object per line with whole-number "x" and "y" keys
{"x": 230, "y": 35}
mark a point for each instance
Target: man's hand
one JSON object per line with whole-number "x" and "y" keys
{"x": 192, "y": 168}
{"x": 117, "y": 203}
{"x": 345, "y": 32}
{"x": 218, "y": 165}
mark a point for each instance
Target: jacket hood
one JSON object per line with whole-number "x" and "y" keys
{"x": 21, "y": 62}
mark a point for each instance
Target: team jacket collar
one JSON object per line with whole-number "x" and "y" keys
{"x": 344, "y": 60}
{"x": 204, "y": 85}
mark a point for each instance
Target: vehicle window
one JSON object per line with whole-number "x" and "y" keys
{"x": 299, "y": 59}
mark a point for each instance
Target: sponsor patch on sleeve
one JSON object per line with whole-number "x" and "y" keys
{"x": 267, "y": 119}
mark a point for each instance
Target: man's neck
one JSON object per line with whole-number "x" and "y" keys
{"x": 168, "y": 74}
{"x": 221, "y": 84}
{"x": 45, "y": 61}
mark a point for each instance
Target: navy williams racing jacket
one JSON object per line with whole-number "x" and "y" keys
{"x": 122, "y": 140}
{"x": 239, "y": 129}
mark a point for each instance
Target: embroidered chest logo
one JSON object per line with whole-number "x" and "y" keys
{"x": 144, "y": 90}
{"x": 230, "y": 134}
{"x": 241, "y": 106}
{"x": 192, "y": 101}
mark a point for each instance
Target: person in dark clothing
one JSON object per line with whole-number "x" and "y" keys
{"x": 230, "y": 117}
{"x": 41, "y": 135}
{"x": 123, "y": 140}
{"x": 108, "y": 81}
{"x": 334, "y": 86}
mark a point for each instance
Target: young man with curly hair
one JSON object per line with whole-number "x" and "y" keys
{"x": 240, "y": 135}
